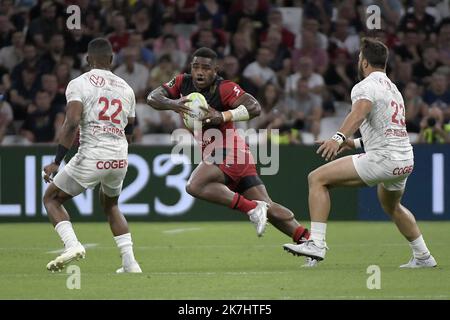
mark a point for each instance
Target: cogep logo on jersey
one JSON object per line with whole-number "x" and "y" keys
{"x": 97, "y": 81}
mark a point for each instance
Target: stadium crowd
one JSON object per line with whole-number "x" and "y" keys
{"x": 299, "y": 58}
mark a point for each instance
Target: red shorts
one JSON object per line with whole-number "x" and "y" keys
{"x": 240, "y": 170}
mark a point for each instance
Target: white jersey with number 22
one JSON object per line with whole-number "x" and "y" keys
{"x": 384, "y": 129}
{"x": 107, "y": 101}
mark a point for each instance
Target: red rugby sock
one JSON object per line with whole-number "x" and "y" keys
{"x": 242, "y": 204}
{"x": 300, "y": 232}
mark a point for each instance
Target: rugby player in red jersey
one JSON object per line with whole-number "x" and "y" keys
{"x": 233, "y": 182}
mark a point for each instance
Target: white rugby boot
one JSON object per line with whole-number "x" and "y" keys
{"x": 258, "y": 216}
{"x": 429, "y": 262}
{"x": 308, "y": 249}
{"x": 76, "y": 252}
{"x": 131, "y": 268}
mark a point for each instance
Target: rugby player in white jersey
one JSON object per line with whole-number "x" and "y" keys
{"x": 102, "y": 106}
{"x": 378, "y": 111}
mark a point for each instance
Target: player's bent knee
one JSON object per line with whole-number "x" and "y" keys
{"x": 192, "y": 188}
{"x": 314, "y": 177}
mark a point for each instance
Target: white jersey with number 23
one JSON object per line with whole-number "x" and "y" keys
{"x": 384, "y": 129}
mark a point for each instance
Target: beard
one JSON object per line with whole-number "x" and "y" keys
{"x": 360, "y": 72}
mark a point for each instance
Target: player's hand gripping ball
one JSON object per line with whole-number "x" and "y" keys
{"x": 198, "y": 109}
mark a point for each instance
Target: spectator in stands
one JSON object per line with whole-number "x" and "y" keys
{"x": 207, "y": 36}
{"x": 231, "y": 71}
{"x": 424, "y": 69}
{"x": 213, "y": 9}
{"x": 49, "y": 84}
{"x": 6, "y": 30}
{"x": 23, "y": 92}
{"x": 342, "y": 39}
{"x": 254, "y": 10}
{"x": 312, "y": 25}
{"x": 30, "y": 60}
{"x": 241, "y": 49}
{"x": 119, "y": 37}
{"x": 168, "y": 28}
{"x": 304, "y": 109}
{"x": 310, "y": 49}
{"x": 270, "y": 98}
{"x": 443, "y": 42}
{"x": 279, "y": 51}
{"x": 305, "y": 70}
{"x": 42, "y": 123}
{"x": 145, "y": 56}
{"x": 12, "y": 55}
{"x": 409, "y": 50}
{"x": 416, "y": 109}
{"x": 134, "y": 73}
{"x": 76, "y": 42}
{"x": 340, "y": 76}
{"x": 6, "y": 116}
{"x": 320, "y": 10}
{"x": 54, "y": 54}
{"x": 163, "y": 72}
{"x": 438, "y": 95}
{"x": 403, "y": 74}
{"x": 418, "y": 19}
{"x": 63, "y": 75}
{"x": 258, "y": 72}
{"x": 44, "y": 26}
{"x": 275, "y": 20}
{"x": 432, "y": 129}
{"x": 185, "y": 11}
{"x": 147, "y": 24}
{"x": 170, "y": 47}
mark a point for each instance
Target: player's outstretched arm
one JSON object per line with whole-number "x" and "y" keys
{"x": 68, "y": 132}
{"x": 360, "y": 109}
{"x": 158, "y": 99}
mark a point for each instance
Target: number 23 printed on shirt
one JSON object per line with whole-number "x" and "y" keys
{"x": 115, "y": 102}
{"x": 396, "y": 117}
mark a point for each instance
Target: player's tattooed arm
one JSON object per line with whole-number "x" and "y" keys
{"x": 244, "y": 108}
{"x": 250, "y": 103}
{"x": 159, "y": 99}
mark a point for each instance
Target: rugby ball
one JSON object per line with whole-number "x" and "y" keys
{"x": 198, "y": 109}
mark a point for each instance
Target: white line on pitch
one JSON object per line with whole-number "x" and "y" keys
{"x": 172, "y": 231}
{"x": 86, "y": 246}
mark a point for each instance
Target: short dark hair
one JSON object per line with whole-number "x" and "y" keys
{"x": 205, "y": 53}
{"x": 375, "y": 52}
{"x": 100, "y": 47}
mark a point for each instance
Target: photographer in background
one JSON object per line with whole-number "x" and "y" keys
{"x": 432, "y": 128}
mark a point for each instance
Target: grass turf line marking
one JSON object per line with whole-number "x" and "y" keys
{"x": 172, "y": 231}
{"x": 86, "y": 246}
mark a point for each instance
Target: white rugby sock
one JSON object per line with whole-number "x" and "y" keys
{"x": 125, "y": 246}
{"x": 318, "y": 232}
{"x": 419, "y": 248}
{"x": 66, "y": 233}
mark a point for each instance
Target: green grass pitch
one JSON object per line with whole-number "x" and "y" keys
{"x": 223, "y": 260}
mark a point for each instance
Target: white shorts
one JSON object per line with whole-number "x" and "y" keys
{"x": 81, "y": 173}
{"x": 374, "y": 169}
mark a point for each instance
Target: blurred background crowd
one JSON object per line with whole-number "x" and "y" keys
{"x": 299, "y": 58}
